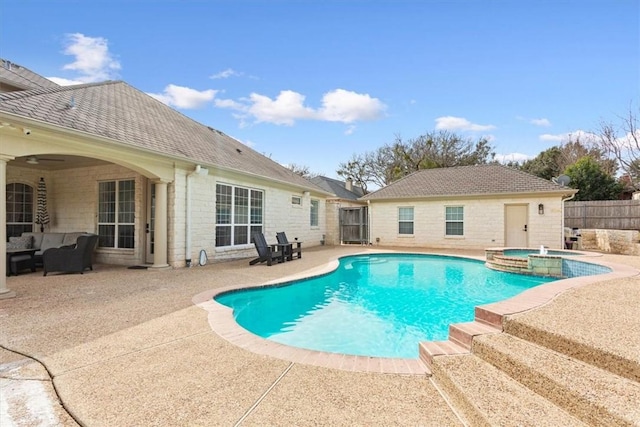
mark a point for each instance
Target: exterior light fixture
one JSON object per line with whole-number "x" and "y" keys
{"x": 540, "y": 209}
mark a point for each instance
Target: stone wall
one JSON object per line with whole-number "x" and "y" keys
{"x": 625, "y": 242}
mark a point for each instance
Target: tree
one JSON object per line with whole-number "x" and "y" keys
{"x": 301, "y": 170}
{"x": 432, "y": 150}
{"x": 546, "y": 164}
{"x": 622, "y": 143}
{"x": 593, "y": 182}
{"x": 553, "y": 161}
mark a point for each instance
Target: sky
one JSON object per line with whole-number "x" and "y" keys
{"x": 313, "y": 83}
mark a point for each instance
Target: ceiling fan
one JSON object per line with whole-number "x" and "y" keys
{"x": 34, "y": 160}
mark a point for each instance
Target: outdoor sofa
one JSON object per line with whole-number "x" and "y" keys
{"x": 40, "y": 242}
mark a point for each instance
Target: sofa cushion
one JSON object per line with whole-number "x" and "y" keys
{"x": 51, "y": 240}
{"x": 71, "y": 238}
{"x": 37, "y": 238}
{"x": 22, "y": 242}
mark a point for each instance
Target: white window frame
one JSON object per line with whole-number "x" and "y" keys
{"x": 25, "y": 210}
{"x": 296, "y": 201}
{"x": 402, "y": 220}
{"x": 251, "y": 221}
{"x": 118, "y": 222}
{"x": 314, "y": 213}
{"x": 453, "y": 218}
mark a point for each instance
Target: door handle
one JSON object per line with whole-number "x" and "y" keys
{"x": 525, "y": 227}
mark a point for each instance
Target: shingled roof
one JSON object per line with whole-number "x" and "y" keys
{"x": 492, "y": 179}
{"x": 337, "y": 187}
{"x": 17, "y": 76}
{"x": 118, "y": 111}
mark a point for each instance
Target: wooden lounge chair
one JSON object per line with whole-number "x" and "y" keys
{"x": 265, "y": 252}
{"x": 288, "y": 247}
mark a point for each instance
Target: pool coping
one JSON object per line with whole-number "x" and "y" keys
{"x": 221, "y": 319}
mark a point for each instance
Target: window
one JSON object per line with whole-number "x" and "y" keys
{"x": 19, "y": 209}
{"x": 315, "y": 209}
{"x": 454, "y": 221}
{"x": 405, "y": 220}
{"x": 116, "y": 214}
{"x": 296, "y": 200}
{"x": 239, "y": 214}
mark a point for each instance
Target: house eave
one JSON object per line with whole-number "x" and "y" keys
{"x": 565, "y": 192}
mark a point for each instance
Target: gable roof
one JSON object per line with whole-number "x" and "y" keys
{"x": 491, "y": 179}
{"x": 117, "y": 111}
{"x": 337, "y": 187}
{"x": 17, "y": 76}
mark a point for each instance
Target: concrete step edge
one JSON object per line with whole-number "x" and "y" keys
{"x": 485, "y": 396}
{"x": 564, "y": 344}
{"x": 593, "y": 395}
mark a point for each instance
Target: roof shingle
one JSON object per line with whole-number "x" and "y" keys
{"x": 118, "y": 111}
{"x": 466, "y": 181}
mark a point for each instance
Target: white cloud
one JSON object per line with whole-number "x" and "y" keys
{"x": 225, "y": 74}
{"x": 184, "y": 97}
{"x": 540, "y": 122}
{"x": 547, "y": 137}
{"x": 347, "y": 107}
{"x": 512, "y": 157}
{"x": 562, "y": 138}
{"x": 350, "y": 130}
{"x": 64, "y": 82}
{"x": 460, "y": 123}
{"x": 337, "y": 106}
{"x": 93, "y": 61}
{"x": 284, "y": 110}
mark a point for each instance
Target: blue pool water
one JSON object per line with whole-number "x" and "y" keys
{"x": 381, "y": 305}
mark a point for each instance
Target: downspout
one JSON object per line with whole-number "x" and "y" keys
{"x": 199, "y": 170}
{"x": 369, "y": 222}
{"x": 565, "y": 200}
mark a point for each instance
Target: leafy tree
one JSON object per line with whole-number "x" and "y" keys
{"x": 593, "y": 182}
{"x": 546, "y": 164}
{"x": 432, "y": 150}
{"x": 553, "y": 161}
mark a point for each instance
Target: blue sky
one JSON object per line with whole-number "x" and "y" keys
{"x": 311, "y": 83}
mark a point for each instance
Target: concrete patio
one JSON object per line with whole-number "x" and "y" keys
{"x": 126, "y": 347}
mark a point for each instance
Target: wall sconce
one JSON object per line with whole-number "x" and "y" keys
{"x": 540, "y": 209}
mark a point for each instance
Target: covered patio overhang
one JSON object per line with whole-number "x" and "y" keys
{"x": 36, "y": 146}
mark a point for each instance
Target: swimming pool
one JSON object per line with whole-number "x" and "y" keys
{"x": 523, "y": 253}
{"x": 375, "y": 305}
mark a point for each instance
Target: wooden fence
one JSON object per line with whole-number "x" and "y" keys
{"x": 603, "y": 214}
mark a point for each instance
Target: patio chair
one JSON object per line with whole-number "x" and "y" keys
{"x": 72, "y": 258}
{"x": 266, "y": 252}
{"x": 289, "y": 249}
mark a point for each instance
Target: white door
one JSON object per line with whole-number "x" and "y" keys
{"x": 516, "y": 227}
{"x": 149, "y": 224}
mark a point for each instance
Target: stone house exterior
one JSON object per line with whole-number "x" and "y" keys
{"x": 157, "y": 186}
{"x": 345, "y": 196}
{"x": 469, "y": 207}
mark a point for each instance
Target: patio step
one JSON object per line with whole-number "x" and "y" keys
{"x": 463, "y": 333}
{"x": 430, "y": 349}
{"x": 563, "y": 343}
{"x": 483, "y": 395}
{"x": 595, "y": 396}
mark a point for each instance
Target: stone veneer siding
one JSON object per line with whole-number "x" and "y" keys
{"x": 484, "y": 223}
